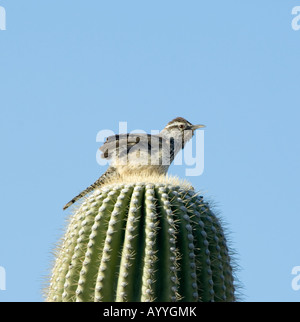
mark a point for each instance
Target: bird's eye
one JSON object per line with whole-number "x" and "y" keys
{"x": 181, "y": 126}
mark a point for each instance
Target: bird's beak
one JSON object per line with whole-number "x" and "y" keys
{"x": 198, "y": 126}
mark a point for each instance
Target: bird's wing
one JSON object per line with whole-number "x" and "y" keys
{"x": 121, "y": 144}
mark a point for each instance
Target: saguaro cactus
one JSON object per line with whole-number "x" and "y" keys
{"x": 150, "y": 241}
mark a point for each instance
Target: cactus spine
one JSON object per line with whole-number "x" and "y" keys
{"x": 143, "y": 242}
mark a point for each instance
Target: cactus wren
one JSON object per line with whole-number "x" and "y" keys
{"x": 142, "y": 153}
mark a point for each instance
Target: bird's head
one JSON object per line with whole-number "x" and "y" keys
{"x": 180, "y": 128}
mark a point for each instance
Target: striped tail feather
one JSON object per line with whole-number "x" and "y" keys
{"x": 111, "y": 171}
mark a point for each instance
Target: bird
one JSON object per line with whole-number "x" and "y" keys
{"x": 135, "y": 153}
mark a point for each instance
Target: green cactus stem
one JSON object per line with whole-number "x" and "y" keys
{"x": 155, "y": 240}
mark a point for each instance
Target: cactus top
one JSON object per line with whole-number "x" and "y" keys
{"x": 144, "y": 240}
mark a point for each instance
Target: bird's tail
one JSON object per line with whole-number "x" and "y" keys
{"x": 111, "y": 171}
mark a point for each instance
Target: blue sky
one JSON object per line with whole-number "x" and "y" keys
{"x": 69, "y": 69}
